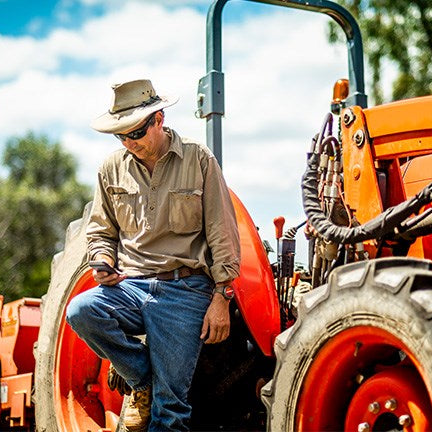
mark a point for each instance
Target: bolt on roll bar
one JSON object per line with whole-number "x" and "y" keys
{"x": 210, "y": 97}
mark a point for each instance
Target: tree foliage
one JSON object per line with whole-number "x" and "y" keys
{"x": 398, "y": 31}
{"x": 39, "y": 196}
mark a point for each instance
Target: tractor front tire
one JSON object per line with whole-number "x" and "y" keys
{"x": 360, "y": 354}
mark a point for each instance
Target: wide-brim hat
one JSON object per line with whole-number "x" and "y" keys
{"x": 132, "y": 103}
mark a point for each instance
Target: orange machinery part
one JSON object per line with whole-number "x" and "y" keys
{"x": 417, "y": 174}
{"x": 20, "y": 321}
{"x": 375, "y": 140}
{"x": 378, "y": 139}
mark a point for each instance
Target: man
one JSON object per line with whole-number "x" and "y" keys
{"x": 162, "y": 215}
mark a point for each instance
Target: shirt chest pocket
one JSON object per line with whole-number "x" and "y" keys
{"x": 185, "y": 210}
{"x": 124, "y": 203}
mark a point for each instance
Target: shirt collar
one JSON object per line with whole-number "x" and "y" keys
{"x": 176, "y": 143}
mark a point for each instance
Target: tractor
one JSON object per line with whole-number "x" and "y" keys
{"x": 343, "y": 345}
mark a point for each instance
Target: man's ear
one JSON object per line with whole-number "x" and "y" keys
{"x": 159, "y": 118}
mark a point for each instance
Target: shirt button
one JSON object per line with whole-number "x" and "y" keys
{"x": 153, "y": 188}
{"x": 151, "y": 208}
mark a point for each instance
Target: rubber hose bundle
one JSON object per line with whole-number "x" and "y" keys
{"x": 378, "y": 227}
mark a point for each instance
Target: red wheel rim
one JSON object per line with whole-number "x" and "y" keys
{"x": 83, "y": 401}
{"x": 394, "y": 393}
{"x": 348, "y": 374}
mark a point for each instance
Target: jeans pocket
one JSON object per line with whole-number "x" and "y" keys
{"x": 185, "y": 210}
{"x": 199, "y": 284}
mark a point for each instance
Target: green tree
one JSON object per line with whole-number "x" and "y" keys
{"x": 398, "y": 31}
{"x": 39, "y": 196}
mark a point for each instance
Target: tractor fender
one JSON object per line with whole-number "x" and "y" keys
{"x": 255, "y": 291}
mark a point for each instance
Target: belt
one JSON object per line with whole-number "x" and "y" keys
{"x": 179, "y": 273}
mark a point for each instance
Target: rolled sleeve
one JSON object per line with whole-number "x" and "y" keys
{"x": 102, "y": 230}
{"x": 220, "y": 225}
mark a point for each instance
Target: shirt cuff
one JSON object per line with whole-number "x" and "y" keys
{"x": 92, "y": 253}
{"x": 225, "y": 271}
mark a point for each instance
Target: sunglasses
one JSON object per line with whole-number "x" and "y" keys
{"x": 137, "y": 133}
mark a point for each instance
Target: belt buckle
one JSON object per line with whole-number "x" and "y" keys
{"x": 176, "y": 274}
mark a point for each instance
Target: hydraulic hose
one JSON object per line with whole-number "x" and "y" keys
{"x": 378, "y": 227}
{"x": 418, "y": 228}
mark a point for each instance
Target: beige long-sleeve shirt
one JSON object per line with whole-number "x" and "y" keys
{"x": 181, "y": 215}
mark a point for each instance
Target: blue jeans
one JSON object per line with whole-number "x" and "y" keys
{"x": 170, "y": 313}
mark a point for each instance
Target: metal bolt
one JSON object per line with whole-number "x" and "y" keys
{"x": 359, "y": 378}
{"x": 348, "y": 117}
{"x": 356, "y": 171}
{"x": 363, "y": 427}
{"x": 359, "y": 138}
{"x": 374, "y": 408}
{"x": 405, "y": 420}
{"x": 391, "y": 404}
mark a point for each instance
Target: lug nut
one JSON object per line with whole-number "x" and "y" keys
{"x": 405, "y": 420}
{"x": 374, "y": 407}
{"x": 391, "y": 404}
{"x": 363, "y": 427}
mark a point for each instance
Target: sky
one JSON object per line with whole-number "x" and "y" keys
{"x": 60, "y": 57}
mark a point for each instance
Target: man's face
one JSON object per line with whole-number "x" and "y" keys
{"x": 137, "y": 133}
{"x": 142, "y": 141}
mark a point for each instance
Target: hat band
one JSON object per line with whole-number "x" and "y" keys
{"x": 149, "y": 101}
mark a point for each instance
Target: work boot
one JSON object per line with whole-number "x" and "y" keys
{"x": 137, "y": 413}
{"x": 117, "y": 382}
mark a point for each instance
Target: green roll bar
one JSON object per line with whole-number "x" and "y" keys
{"x": 210, "y": 97}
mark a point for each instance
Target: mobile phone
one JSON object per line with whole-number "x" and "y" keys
{"x": 103, "y": 266}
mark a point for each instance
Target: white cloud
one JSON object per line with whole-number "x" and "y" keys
{"x": 279, "y": 77}
{"x": 22, "y": 54}
{"x": 145, "y": 33}
{"x": 97, "y": 147}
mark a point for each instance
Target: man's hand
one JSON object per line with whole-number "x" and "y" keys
{"x": 216, "y": 321}
{"x": 103, "y": 277}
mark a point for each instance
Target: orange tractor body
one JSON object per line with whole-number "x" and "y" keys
{"x": 19, "y": 322}
{"x": 379, "y": 139}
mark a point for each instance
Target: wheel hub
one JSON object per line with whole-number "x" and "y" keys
{"x": 390, "y": 400}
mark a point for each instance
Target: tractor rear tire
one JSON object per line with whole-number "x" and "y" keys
{"x": 67, "y": 269}
{"x": 368, "y": 330}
